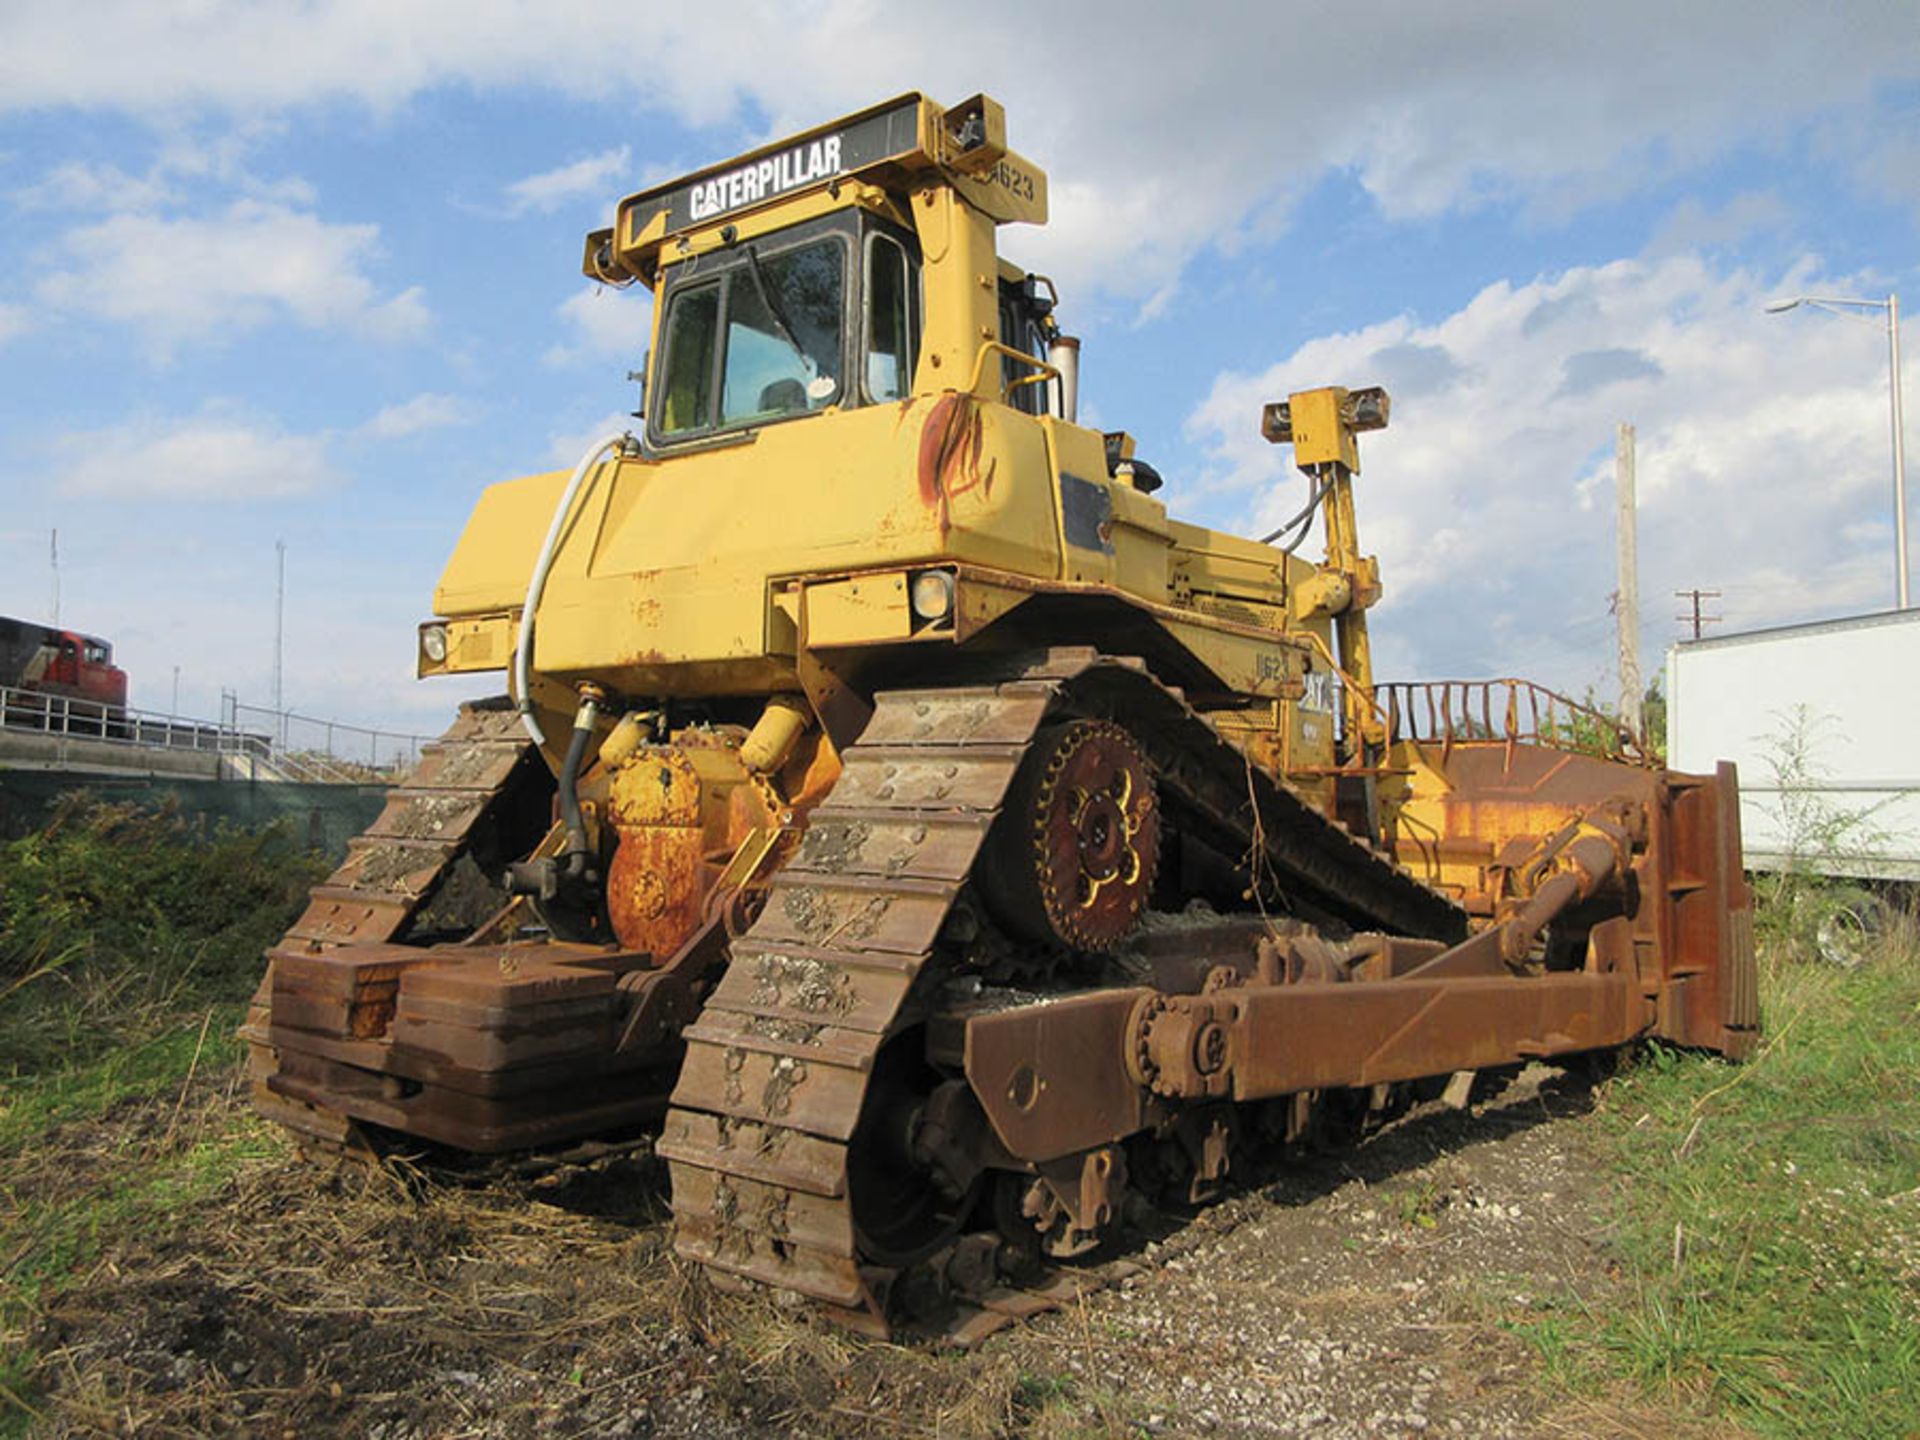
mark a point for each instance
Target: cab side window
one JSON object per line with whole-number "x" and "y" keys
{"x": 1020, "y": 330}
{"x": 686, "y": 389}
{"x": 892, "y": 338}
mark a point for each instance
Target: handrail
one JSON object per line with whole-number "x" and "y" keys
{"x": 50, "y": 713}
{"x": 1463, "y": 712}
{"x": 1043, "y": 370}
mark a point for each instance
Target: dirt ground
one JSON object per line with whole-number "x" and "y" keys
{"x": 1371, "y": 1293}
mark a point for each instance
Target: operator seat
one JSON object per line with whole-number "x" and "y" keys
{"x": 784, "y": 397}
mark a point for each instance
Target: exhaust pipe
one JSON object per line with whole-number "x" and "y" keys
{"x": 1064, "y": 355}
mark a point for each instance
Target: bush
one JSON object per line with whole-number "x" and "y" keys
{"x": 116, "y": 920}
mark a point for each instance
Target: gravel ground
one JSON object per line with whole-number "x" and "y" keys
{"x": 1361, "y": 1296}
{"x": 1366, "y": 1294}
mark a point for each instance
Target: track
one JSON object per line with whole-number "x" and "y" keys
{"x": 395, "y": 874}
{"x": 779, "y": 1075}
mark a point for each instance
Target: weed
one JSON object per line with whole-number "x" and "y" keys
{"x": 1418, "y": 1204}
{"x": 1766, "y": 1218}
{"x": 1805, "y": 908}
{"x": 115, "y": 922}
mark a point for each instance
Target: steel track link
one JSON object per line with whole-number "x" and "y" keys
{"x": 389, "y": 874}
{"x": 777, "y": 1067}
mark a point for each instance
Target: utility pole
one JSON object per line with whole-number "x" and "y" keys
{"x": 55, "y": 555}
{"x": 1697, "y": 620}
{"x": 1627, "y": 611}
{"x": 279, "y": 639}
{"x": 174, "y": 710}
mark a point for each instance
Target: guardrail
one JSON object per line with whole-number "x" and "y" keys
{"x": 265, "y": 744}
{"x": 329, "y": 749}
{"x": 68, "y": 715}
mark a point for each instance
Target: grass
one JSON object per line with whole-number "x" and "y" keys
{"x": 129, "y": 942}
{"x": 1768, "y": 1216}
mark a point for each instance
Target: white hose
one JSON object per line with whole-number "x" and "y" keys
{"x": 523, "y": 651}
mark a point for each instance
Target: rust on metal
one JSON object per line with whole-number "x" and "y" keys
{"x": 1079, "y": 841}
{"x": 950, "y": 455}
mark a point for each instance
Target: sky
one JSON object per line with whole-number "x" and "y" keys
{"x": 307, "y": 271}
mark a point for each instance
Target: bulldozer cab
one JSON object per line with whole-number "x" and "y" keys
{"x": 804, "y": 278}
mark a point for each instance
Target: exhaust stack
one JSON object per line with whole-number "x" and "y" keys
{"x": 1064, "y": 355}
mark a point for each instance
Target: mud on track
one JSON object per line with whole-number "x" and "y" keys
{"x": 1369, "y": 1293}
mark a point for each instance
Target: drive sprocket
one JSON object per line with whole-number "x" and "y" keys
{"x": 1078, "y": 843}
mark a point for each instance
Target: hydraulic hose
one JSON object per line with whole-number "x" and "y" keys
{"x": 537, "y": 584}
{"x": 1302, "y": 517}
{"x": 576, "y": 828}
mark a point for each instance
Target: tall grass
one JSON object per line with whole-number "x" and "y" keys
{"x": 1769, "y": 1214}
{"x": 130, "y": 940}
{"x": 119, "y": 923}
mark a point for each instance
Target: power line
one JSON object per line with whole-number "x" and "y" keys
{"x": 1696, "y": 619}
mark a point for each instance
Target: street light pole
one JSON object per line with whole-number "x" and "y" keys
{"x": 1899, "y": 442}
{"x": 1892, "y": 306}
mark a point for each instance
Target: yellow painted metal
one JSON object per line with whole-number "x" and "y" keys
{"x": 865, "y": 610}
{"x": 771, "y": 741}
{"x": 959, "y": 282}
{"x": 1321, "y": 426}
{"x": 623, "y": 741}
{"x": 1320, "y": 434}
{"x": 703, "y": 571}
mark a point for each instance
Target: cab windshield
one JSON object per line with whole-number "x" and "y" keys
{"x": 760, "y": 341}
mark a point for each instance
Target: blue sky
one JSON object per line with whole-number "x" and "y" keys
{"x": 310, "y": 272}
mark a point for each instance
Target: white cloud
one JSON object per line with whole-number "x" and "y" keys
{"x": 181, "y": 162}
{"x": 1763, "y": 461}
{"x": 565, "y": 447}
{"x": 1690, "y": 225}
{"x": 80, "y": 186}
{"x": 410, "y": 417}
{"x": 586, "y": 178}
{"x": 216, "y": 455}
{"x": 14, "y": 320}
{"x": 606, "y": 324}
{"x": 1240, "y": 109}
{"x": 255, "y": 262}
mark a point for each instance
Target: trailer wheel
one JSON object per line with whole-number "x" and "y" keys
{"x": 1853, "y": 920}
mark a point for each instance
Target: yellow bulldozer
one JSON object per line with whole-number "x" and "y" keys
{"x": 929, "y": 845}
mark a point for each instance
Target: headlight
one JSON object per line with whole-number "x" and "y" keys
{"x": 932, "y": 595}
{"x": 433, "y": 643}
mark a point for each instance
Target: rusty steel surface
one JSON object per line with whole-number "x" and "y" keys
{"x": 486, "y": 1048}
{"x": 1452, "y": 712}
{"x": 1505, "y": 803}
{"x": 657, "y": 885}
{"x": 776, "y": 1081}
{"x": 389, "y": 875}
{"x": 1080, "y": 843}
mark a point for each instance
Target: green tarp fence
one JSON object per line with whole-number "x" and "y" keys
{"x": 324, "y": 816}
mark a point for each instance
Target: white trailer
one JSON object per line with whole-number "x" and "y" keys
{"x": 1820, "y": 720}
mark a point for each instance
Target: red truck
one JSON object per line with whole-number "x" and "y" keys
{"x": 60, "y": 662}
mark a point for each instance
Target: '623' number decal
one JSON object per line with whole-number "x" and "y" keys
{"x": 1016, "y": 181}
